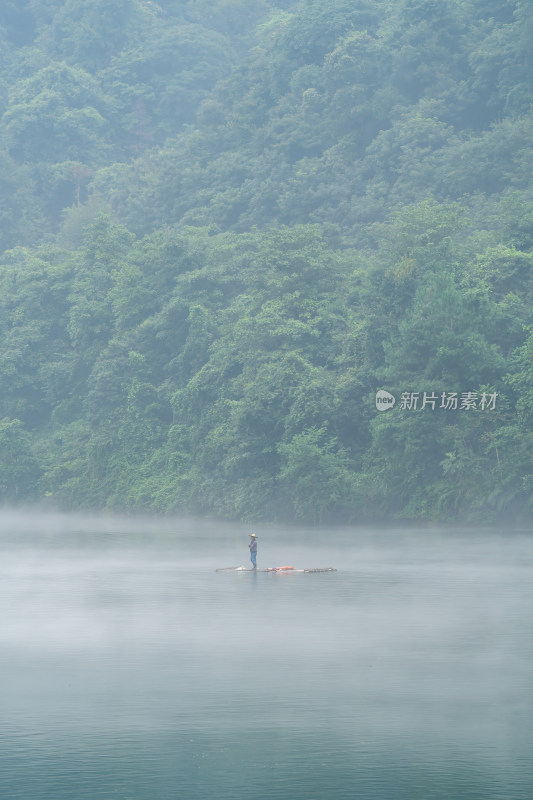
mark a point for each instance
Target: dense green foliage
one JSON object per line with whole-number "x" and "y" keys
{"x": 225, "y": 225}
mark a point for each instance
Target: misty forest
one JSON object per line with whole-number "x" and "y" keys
{"x": 225, "y": 225}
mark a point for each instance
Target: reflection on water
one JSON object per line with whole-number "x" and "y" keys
{"x": 132, "y": 670}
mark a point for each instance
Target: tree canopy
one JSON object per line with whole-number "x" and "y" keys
{"x": 224, "y": 226}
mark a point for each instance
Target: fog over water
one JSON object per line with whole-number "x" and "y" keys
{"x": 132, "y": 669}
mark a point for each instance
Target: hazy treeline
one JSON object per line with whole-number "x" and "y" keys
{"x": 226, "y": 224}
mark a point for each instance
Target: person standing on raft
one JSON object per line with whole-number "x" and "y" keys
{"x": 253, "y": 550}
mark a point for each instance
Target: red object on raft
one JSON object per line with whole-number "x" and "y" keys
{"x": 278, "y": 569}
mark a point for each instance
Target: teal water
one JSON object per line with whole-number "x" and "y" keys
{"x": 132, "y": 670}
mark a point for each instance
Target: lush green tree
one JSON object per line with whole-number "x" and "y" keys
{"x": 89, "y": 34}
{"x": 161, "y": 81}
{"x": 19, "y": 466}
{"x": 21, "y": 211}
{"x": 33, "y": 319}
{"x": 57, "y": 114}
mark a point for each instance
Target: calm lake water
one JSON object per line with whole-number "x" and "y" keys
{"x": 132, "y": 670}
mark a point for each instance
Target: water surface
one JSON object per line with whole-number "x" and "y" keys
{"x": 132, "y": 670}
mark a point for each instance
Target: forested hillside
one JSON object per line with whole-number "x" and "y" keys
{"x": 226, "y": 224}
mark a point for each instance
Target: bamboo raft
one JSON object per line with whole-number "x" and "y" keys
{"x": 275, "y": 569}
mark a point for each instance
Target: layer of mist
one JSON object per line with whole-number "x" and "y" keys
{"x": 123, "y": 648}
